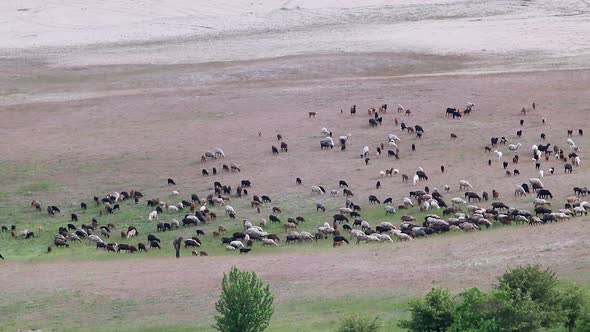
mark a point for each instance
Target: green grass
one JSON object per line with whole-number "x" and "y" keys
{"x": 136, "y": 215}
{"x": 318, "y": 314}
{"x": 49, "y": 313}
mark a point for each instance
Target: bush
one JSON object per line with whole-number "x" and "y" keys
{"x": 576, "y": 309}
{"x": 358, "y": 324}
{"x": 433, "y": 314}
{"x": 537, "y": 284}
{"x": 474, "y": 312}
{"x": 495, "y": 311}
{"x": 245, "y": 303}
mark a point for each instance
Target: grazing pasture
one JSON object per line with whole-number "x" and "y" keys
{"x": 159, "y": 141}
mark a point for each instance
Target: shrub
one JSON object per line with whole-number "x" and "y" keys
{"x": 496, "y": 311}
{"x": 432, "y": 314}
{"x": 358, "y": 324}
{"x": 575, "y": 306}
{"x": 245, "y": 303}
{"x": 537, "y": 284}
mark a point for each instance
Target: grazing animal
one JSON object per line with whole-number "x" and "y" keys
{"x": 320, "y": 206}
{"x": 338, "y": 240}
{"x": 171, "y": 182}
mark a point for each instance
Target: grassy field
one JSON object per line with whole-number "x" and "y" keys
{"x": 389, "y": 306}
{"x": 310, "y": 315}
{"x": 25, "y": 217}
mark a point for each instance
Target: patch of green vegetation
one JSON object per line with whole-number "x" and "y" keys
{"x": 25, "y": 217}
{"x": 30, "y": 188}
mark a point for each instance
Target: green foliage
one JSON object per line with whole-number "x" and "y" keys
{"x": 516, "y": 312}
{"x": 433, "y": 314}
{"x": 358, "y": 324}
{"x": 245, "y": 304}
{"x": 527, "y": 299}
{"x": 537, "y": 284}
{"x": 576, "y": 309}
{"x": 475, "y": 312}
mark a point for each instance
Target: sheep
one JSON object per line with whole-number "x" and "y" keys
{"x": 415, "y": 179}
{"x": 541, "y": 173}
{"x": 230, "y": 248}
{"x": 463, "y": 184}
{"x": 514, "y": 147}
{"x": 345, "y": 210}
{"x": 536, "y": 182}
{"x": 289, "y": 225}
{"x": 408, "y": 202}
{"x": 326, "y": 143}
{"x": 580, "y": 210}
{"x": 326, "y": 132}
{"x": 219, "y": 153}
{"x": 172, "y": 208}
{"x": 365, "y": 152}
{"x": 498, "y": 154}
{"x": 317, "y": 190}
{"x": 229, "y": 210}
{"x": 74, "y": 237}
{"x": 402, "y": 236}
{"x": 393, "y": 138}
{"x": 131, "y": 233}
{"x": 389, "y": 210}
{"x": 344, "y": 139}
{"x": 153, "y": 216}
{"x": 519, "y": 191}
{"x": 175, "y": 193}
{"x": 269, "y": 242}
{"x": 458, "y": 200}
{"x": 236, "y": 244}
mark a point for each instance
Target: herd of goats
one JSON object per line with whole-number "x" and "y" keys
{"x": 460, "y": 214}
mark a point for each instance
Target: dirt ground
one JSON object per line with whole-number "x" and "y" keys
{"x": 97, "y": 130}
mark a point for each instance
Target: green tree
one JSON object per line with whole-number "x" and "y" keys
{"x": 496, "y": 311}
{"x": 358, "y": 324}
{"x": 537, "y": 285}
{"x": 575, "y": 306}
{"x": 432, "y": 314}
{"x": 475, "y": 312}
{"x": 516, "y": 311}
{"x": 245, "y": 303}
